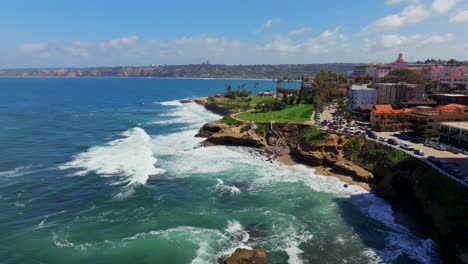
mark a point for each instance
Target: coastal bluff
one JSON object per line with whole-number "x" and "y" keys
{"x": 436, "y": 203}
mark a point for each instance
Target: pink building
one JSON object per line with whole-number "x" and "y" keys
{"x": 434, "y": 72}
{"x": 385, "y": 69}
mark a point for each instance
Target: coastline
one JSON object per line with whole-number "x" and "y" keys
{"x": 288, "y": 160}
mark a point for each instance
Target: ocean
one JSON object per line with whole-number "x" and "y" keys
{"x": 107, "y": 170}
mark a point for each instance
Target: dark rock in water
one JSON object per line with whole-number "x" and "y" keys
{"x": 247, "y": 256}
{"x": 346, "y": 185}
{"x": 257, "y": 232}
{"x": 186, "y": 101}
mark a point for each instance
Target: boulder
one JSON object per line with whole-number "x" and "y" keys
{"x": 248, "y": 256}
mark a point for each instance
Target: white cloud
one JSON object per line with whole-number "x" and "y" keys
{"x": 326, "y": 42}
{"x": 409, "y": 15}
{"x": 390, "y": 41}
{"x": 460, "y": 17}
{"x": 121, "y": 42}
{"x": 394, "y": 2}
{"x": 298, "y": 31}
{"x": 443, "y": 6}
{"x": 268, "y": 24}
{"x": 31, "y": 48}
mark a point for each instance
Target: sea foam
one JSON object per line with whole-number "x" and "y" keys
{"x": 130, "y": 156}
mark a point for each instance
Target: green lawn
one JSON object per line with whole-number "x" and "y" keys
{"x": 243, "y": 103}
{"x": 292, "y": 113}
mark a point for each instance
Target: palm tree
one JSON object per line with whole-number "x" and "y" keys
{"x": 228, "y": 88}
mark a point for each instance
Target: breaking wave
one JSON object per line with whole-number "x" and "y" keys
{"x": 130, "y": 156}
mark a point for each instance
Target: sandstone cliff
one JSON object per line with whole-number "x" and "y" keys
{"x": 436, "y": 202}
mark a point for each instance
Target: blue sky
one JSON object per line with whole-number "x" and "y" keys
{"x": 82, "y": 33}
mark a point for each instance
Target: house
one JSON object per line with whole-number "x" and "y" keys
{"x": 426, "y": 120}
{"x": 384, "y": 117}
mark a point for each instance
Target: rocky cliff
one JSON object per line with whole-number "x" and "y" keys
{"x": 438, "y": 203}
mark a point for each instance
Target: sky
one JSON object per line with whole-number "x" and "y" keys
{"x": 66, "y": 33}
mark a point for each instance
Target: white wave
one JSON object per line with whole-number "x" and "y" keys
{"x": 378, "y": 209}
{"x": 237, "y": 237}
{"x": 131, "y": 156}
{"x": 226, "y": 189}
{"x": 399, "y": 239}
{"x": 170, "y": 103}
{"x": 189, "y": 113}
{"x": 20, "y": 171}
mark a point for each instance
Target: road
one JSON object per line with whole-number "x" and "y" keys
{"x": 461, "y": 160}
{"x": 327, "y": 114}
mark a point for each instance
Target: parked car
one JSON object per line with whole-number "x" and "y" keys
{"x": 405, "y": 137}
{"x": 406, "y": 146}
{"x": 383, "y": 139}
{"x": 429, "y": 144}
{"x": 392, "y": 141}
{"x": 440, "y": 147}
{"x": 333, "y": 127}
{"x": 419, "y": 152}
{"x": 372, "y": 135}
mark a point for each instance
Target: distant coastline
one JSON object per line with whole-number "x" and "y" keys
{"x": 197, "y": 71}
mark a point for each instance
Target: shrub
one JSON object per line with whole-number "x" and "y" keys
{"x": 228, "y": 120}
{"x": 313, "y": 135}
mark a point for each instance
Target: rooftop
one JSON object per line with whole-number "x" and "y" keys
{"x": 462, "y": 125}
{"x": 452, "y": 95}
{"x": 388, "y": 109}
{"x": 360, "y": 87}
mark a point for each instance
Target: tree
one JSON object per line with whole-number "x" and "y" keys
{"x": 403, "y": 75}
{"x": 228, "y": 88}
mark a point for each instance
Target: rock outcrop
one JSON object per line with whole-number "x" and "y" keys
{"x": 248, "y": 256}
{"x": 218, "y": 133}
{"x": 329, "y": 152}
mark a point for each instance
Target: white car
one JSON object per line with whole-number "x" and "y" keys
{"x": 406, "y": 146}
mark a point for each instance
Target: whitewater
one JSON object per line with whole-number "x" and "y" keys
{"x": 136, "y": 186}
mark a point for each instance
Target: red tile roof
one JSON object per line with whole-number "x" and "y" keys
{"x": 452, "y": 107}
{"x": 388, "y": 109}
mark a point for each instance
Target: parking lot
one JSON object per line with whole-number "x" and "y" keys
{"x": 459, "y": 160}
{"x": 456, "y": 161}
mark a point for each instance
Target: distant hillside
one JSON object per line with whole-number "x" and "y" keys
{"x": 186, "y": 71}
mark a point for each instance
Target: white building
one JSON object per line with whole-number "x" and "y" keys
{"x": 361, "y": 95}
{"x": 453, "y": 82}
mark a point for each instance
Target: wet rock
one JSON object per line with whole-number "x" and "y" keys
{"x": 248, "y": 256}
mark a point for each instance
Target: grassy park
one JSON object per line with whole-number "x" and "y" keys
{"x": 292, "y": 113}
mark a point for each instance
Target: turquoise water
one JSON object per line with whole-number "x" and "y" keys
{"x": 109, "y": 171}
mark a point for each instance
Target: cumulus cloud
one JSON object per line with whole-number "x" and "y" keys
{"x": 460, "y": 17}
{"x": 409, "y": 15}
{"x": 268, "y": 24}
{"x": 415, "y": 13}
{"x": 390, "y": 41}
{"x": 443, "y": 6}
{"x": 326, "y": 42}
